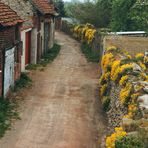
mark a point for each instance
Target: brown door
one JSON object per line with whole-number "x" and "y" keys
{"x": 28, "y": 48}
{"x": 38, "y": 47}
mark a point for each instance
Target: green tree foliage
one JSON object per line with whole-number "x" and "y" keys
{"x": 103, "y": 12}
{"x": 83, "y": 12}
{"x": 119, "y": 15}
{"x": 139, "y": 16}
{"x": 97, "y": 13}
{"x": 60, "y": 5}
{"x": 129, "y": 15}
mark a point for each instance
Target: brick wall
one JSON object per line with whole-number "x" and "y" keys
{"x": 7, "y": 37}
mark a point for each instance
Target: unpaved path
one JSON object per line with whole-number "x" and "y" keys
{"x": 61, "y": 108}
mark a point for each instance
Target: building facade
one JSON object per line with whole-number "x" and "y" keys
{"x": 10, "y": 48}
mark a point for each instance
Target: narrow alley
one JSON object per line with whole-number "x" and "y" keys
{"x": 61, "y": 109}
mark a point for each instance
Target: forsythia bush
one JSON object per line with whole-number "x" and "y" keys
{"x": 85, "y": 33}
{"x": 125, "y": 93}
{"x": 119, "y": 133}
{"x": 107, "y": 61}
{"x": 123, "y": 80}
{"x": 118, "y": 66}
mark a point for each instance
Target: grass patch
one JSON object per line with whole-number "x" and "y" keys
{"x": 7, "y": 114}
{"x": 89, "y": 54}
{"x": 131, "y": 141}
{"x": 47, "y": 58}
{"x": 32, "y": 66}
{"x": 24, "y": 81}
{"x": 50, "y": 55}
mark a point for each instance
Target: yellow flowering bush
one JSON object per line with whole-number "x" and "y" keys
{"x": 103, "y": 89}
{"x": 125, "y": 93}
{"x": 139, "y": 55}
{"x": 132, "y": 108}
{"x": 115, "y": 69}
{"x": 123, "y": 80}
{"x": 129, "y": 56}
{"x": 105, "y": 78}
{"x": 85, "y": 32}
{"x": 142, "y": 65}
{"x": 111, "y": 49}
{"x": 89, "y": 35}
{"x": 107, "y": 61}
{"x": 119, "y": 133}
{"x": 124, "y": 68}
{"x": 78, "y": 31}
{"x": 118, "y": 65}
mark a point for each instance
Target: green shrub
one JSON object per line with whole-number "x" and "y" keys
{"x": 89, "y": 53}
{"x": 7, "y": 113}
{"x": 47, "y": 58}
{"x": 130, "y": 142}
{"x": 106, "y": 103}
{"x": 32, "y": 66}
{"x": 22, "y": 82}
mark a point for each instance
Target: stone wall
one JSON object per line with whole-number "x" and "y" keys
{"x": 117, "y": 111}
{"x": 67, "y": 27}
{"x": 124, "y": 93}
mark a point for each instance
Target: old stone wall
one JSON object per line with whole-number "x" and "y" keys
{"x": 116, "y": 111}
{"x": 67, "y": 27}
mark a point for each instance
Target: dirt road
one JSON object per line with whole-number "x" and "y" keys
{"x": 61, "y": 109}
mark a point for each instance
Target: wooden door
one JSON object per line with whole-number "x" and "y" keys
{"x": 46, "y": 37}
{"x": 8, "y": 71}
{"x": 39, "y": 49}
{"x": 28, "y": 48}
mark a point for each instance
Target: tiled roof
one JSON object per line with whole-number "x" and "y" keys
{"x": 24, "y": 9}
{"x": 44, "y": 6}
{"x": 8, "y": 17}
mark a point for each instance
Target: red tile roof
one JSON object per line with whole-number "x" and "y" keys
{"x": 44, "y": 6}
{"x": 8, "y": 17}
